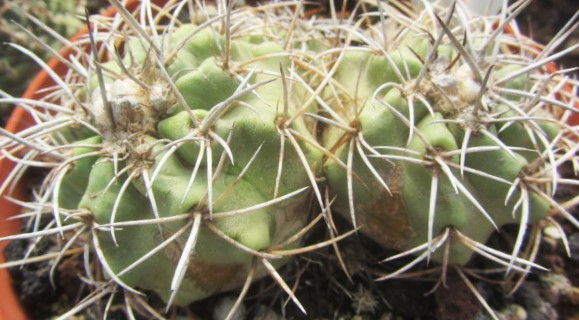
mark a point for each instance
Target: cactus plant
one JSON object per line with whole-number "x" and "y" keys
{"x": 184, "y": 160}
{"x": 449, "y": 128}
{"x": 186, "y": 149}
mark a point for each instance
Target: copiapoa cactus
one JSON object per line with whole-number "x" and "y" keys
{"x": 451, "y": 129}
{"x": 184, "y": 158}
{"x": 187, "y": 149}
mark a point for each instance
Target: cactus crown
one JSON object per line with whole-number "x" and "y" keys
{"x": 189, "y": 148}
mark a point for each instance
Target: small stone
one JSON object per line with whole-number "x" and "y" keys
{"x": 537, "y": 308}
{"x": 513, "y": 312}
{"x": 224, "y": 306}
{"x": 552, "y": 232}
{"x": 574, "y": 246}
{"x": 554, "y": 286}
{"x": 520, "y": 312}
{"x": 573, "y": 295}
{"x": 387, "y": 316}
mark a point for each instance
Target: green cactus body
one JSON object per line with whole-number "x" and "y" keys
{"x": 247, "y": 174}
{"x": 407, "y": 187}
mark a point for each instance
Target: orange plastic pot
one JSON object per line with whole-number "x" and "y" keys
{"x": 574, "y": 118}
{"x": 10, "y": 308}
